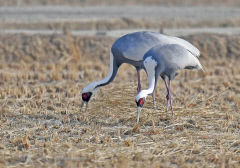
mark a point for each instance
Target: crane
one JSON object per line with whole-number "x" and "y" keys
{"x": 165, "y": 61}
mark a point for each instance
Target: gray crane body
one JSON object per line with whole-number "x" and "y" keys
{"x": 132, "y": 47}
{"x": 170, "y": 58}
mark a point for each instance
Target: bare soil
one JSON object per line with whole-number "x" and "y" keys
{"x": 41, "y": 79}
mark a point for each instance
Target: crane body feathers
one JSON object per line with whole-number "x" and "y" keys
{"x": 134, "y": 45}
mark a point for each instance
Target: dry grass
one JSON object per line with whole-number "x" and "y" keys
{"x": 41, "y": 126}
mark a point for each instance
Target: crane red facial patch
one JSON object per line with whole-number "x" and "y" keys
{"x": 86, "y": 96}
{"x": 140, "y": 102}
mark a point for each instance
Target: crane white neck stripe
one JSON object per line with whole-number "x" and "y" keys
{"x": 150, "y": 65}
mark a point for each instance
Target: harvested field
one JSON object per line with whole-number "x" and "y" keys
{"x": 41, "y": 79}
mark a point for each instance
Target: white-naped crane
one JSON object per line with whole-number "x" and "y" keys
{"x": 130, "y": 49}
{"x": 164, "y": 61}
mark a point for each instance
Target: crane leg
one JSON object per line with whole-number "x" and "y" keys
{"x": 81, "y": 106}
{"x": 169, "y": 96}
{"x": 139, "y": 81}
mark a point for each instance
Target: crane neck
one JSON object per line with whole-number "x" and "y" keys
{"x": 113, "y": 68}
{"x": 150, "y": 65}
{"x": 109, "y": 78}
{"x": 149, "y": 90}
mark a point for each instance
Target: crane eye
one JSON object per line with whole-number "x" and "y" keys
{"x": 140, "y": 102}
{"x": 86, "y": 96}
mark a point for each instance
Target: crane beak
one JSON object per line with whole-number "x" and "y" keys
{"x": 138, "y": 113}
{"x": 81, "y": 106}
{"x": 140, "y": 103}
{"x": 83, "y": 102}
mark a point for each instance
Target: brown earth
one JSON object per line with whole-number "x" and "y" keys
{"x": 41, "y": 79}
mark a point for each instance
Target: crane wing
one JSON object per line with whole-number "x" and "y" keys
{"x": 165, "y": 39}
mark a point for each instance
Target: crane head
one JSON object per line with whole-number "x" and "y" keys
{"x": 140, "y": 99}
{"x": 85, "y": 99}
{"x": 86, "y": 96}
{"x": 140, "y": 102}
{"x": 87, "y": 93}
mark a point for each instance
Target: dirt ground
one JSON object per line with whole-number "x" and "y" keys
{"x": 41, "y": 79}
